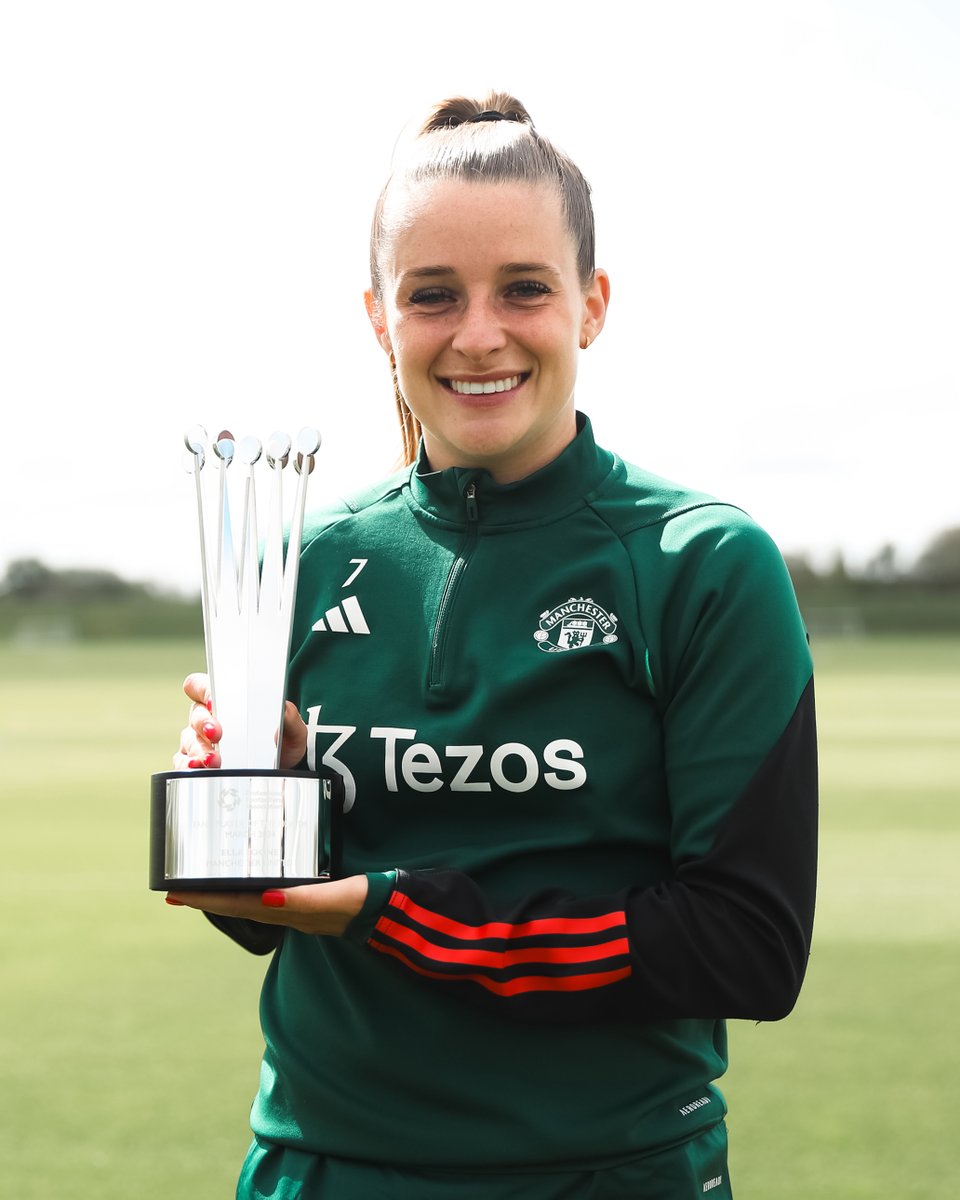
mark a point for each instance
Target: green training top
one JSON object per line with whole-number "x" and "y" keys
{"x": 574, "y": 715}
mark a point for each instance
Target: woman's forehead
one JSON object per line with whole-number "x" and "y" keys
{"x": 517, "y": 221}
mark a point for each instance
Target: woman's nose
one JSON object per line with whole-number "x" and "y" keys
{"x": 480, "y": 331}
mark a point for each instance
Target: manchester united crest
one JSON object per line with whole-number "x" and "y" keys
{"x": 576, "y": 623}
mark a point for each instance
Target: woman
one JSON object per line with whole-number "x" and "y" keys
{"x": 578, "y": 748}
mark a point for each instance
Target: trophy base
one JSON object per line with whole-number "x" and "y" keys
{"x": 244, "y": 830}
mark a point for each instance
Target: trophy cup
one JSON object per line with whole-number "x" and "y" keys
{"x": 247, "y": 825}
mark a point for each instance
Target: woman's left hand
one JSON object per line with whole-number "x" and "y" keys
{"x": 324, "y": 908}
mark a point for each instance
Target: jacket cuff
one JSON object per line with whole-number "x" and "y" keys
{"x": 380, "y": 885}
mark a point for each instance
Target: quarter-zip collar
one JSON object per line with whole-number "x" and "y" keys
{"x": 556, "y": 489}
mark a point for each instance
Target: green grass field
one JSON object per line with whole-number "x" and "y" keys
{"x": 129, "y": 1045}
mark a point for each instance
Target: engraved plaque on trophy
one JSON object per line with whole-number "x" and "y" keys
{"x": 247, "y": 825}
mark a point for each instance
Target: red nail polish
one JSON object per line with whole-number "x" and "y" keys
{"x": 210, "y": 732}
{"x": 209, "y": 706}
{"x": 273, "y": 899}
{"x": 209, "y": 760}
{"x": 195, "y": 763}
{"x": 178, "y": 903}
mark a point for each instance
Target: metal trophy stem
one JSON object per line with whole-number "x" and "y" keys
{"x": 246, "y": 825}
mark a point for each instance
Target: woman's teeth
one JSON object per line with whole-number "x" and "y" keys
{"x": 486, "y": 388}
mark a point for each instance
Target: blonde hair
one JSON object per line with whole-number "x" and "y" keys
{"x": 494, "y": 140}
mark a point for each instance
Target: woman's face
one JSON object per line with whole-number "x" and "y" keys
{"x": 484, "y": 312}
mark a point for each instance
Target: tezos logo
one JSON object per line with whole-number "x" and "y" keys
{"x": 574, "y": 624}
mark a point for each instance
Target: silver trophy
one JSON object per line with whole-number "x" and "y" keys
{"x": 246, "y": 825}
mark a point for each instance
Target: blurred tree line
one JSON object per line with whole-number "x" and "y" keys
{"x": 30, "y": 579}
{"x": 881, "y": 597}
{"x": 938, "y": 567}
{"x": 38, "y": 602}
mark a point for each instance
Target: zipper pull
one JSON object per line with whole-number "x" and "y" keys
{"x": 470, "y": 497}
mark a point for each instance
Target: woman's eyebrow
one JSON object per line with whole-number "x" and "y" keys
{"x": 528, "y": 268}
{"x": 426, "y": 272}
{"x": 510, "y": 268}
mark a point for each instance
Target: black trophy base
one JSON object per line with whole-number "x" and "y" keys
{"x": 244, "y": 830}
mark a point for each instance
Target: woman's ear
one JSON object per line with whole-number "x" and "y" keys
{"x": 595, "y": 301}
{"x": 377, "y": 320}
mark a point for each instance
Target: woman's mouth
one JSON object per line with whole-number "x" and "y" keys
{"x": 484, "y": 387}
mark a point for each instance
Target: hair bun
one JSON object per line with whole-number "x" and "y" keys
{"x": 463, "y": 110}
{"x": 489, "y": 114}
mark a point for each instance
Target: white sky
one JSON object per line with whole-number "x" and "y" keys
{"x": 185, "y": 195}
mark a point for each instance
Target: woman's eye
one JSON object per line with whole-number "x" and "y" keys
{"x": 431, "y": 295}
{"x": 525, "y": 288}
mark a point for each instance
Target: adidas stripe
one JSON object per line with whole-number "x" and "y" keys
{"x": 343, "y": 618}
{"x": 572, "y": 953}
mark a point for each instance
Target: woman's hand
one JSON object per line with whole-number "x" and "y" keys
{"x": 323, "y": 908}
{"x": 202, "y": 734}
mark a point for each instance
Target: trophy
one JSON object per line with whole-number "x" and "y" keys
{"x": 247, "y": 825}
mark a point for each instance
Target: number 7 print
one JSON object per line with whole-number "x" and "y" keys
{"x": 360, "y": 563}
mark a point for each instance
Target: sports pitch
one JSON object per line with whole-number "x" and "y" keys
{"x": 129, "y": 1045}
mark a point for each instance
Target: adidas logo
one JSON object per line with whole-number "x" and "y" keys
{"x": 343, "y": 618}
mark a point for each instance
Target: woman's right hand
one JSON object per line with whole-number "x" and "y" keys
{"x": 202, "y": 734}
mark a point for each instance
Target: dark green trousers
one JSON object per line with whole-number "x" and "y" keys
{"x": 695, "y": 1170}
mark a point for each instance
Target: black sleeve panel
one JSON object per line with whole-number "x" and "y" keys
{"x": 730, "y": 937}
{"x": 727, "y": 936}
{"x": 251, "y": 935}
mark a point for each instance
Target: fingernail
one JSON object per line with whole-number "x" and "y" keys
{"x": 195, "y": 763}
{"x": 178, "y": 903}
{"x": 210, "y": 706}
{"x": 273, "y": 899}
{"x": 209, "y": 760}
{"x": 211, "y": 733}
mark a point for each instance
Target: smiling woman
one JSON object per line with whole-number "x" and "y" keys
{"x": 577, "y": 745}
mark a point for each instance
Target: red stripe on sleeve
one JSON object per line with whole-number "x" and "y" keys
{"x": 496, "y": 959}
{"x": 504, "y": 929}
{"x": 513, "y": 987}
